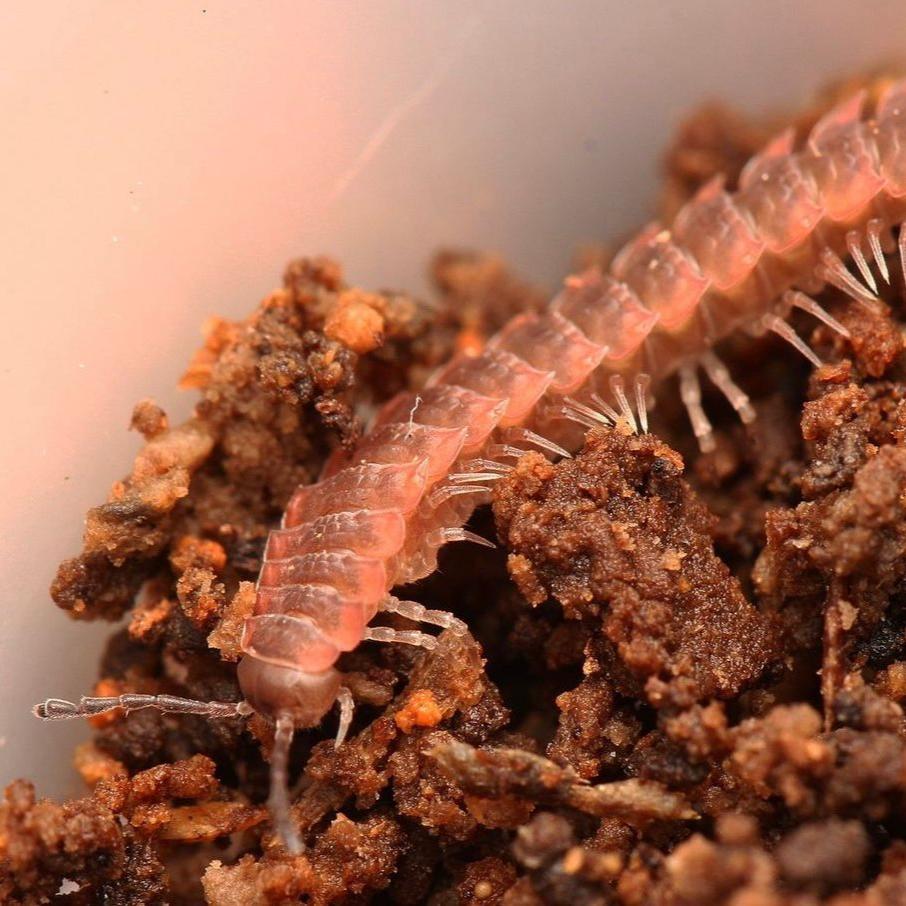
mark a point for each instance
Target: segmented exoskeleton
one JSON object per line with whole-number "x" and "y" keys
{"x": 378, "y": 516}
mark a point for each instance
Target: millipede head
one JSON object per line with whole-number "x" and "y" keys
{"x": 263, "y": 688}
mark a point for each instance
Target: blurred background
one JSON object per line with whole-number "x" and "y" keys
{"x": 160, "y": 162}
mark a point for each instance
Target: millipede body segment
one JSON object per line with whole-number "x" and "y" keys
{"x": 379, "y": 514}
{"x": 377, "y": 517}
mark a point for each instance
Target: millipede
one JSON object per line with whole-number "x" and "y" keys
{"x": 827, "y": 212}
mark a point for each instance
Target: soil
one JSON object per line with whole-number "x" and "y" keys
{"x": 685, "y": 674}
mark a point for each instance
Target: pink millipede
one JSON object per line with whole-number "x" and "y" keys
{"x": 379, "y": 514}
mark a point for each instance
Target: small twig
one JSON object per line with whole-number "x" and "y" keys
{"x": 514, "y": 772}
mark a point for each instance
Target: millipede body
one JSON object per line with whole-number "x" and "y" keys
{"x": 377, "y": 517}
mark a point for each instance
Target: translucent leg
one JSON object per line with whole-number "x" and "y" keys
{"x": 502, "y": 450}
{"x": 602, "y": 413}
{"x": 278, "y": 799}
{"x": 473, "y": 466}
{"x": 719, "y": 375}
{"x": 583, "y": 415}
{"x": 807, "y": 303}
{"x": 418, "y": 613}
{"x": 88, "y": 706}
{"x": 854, "y": 246}
{"x": 642, "y": 383}
{"x": 874, "y": 232}
{"x": 832, "y": 270}
{"x": 606, "y": 408}
{"x": 400, "y": 636}
{"x": 347, "y": 708}
{"x": 782, "y": 329}
{"x": 443, "y": 493}
{"x": 691, "y": 394}
{"x": 440, "y": 537}
{"x": 530, "y": 437}
{"x": 619, "y": 392}
{"x": 468, "y": 477}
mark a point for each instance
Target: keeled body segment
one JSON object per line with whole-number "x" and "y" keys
{"x": 377, "y": 517}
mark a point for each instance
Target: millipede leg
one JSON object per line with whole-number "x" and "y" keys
{"x": 807, "y": 303}
{"x": 418, "y": 613}
{"x": 90, "y": 706}
{"x": 691, "y": 394}
{"x": 783, "y": 330}
{"x": 873, "y": 231}
{"x": 619, "y": 391}
{"x": 440, "y": 537}
{"x": 442, "y": 493}
{"x": 479, "y": 465}
{"x": 400, "y": 636}
{"x": 461, "y": 478}
{"x": 606, "y": 408}
{"x": 642, "y": 382}
{"x": 530, "y": 437}
{"x": 585, "y": 415}
{"x": 832, "y": 270}
{"x": 602, "y": 413}
{"x": 278, "y": 798}
{"x": 854, "y": 246}
{"x": 347, "y": 709}
{"x": 506, "y": 450}
{"x": 719, "y": 376}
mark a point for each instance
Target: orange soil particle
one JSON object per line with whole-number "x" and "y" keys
{"x": 227, "y": 635}
{"x": 93, "y": 765}
{"x": 357, "y": 321}
{"x": 148, "y": 619}
{"x": 420, "y": 711}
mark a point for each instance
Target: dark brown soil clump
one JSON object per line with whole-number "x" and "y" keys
{"x": 685, "y": 675}
{"x": 633, "y": 553}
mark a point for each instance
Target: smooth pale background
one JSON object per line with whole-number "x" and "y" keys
{"x": 161, "y": 161}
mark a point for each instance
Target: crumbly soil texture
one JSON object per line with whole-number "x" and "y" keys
{"x": 685, "y": 674}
